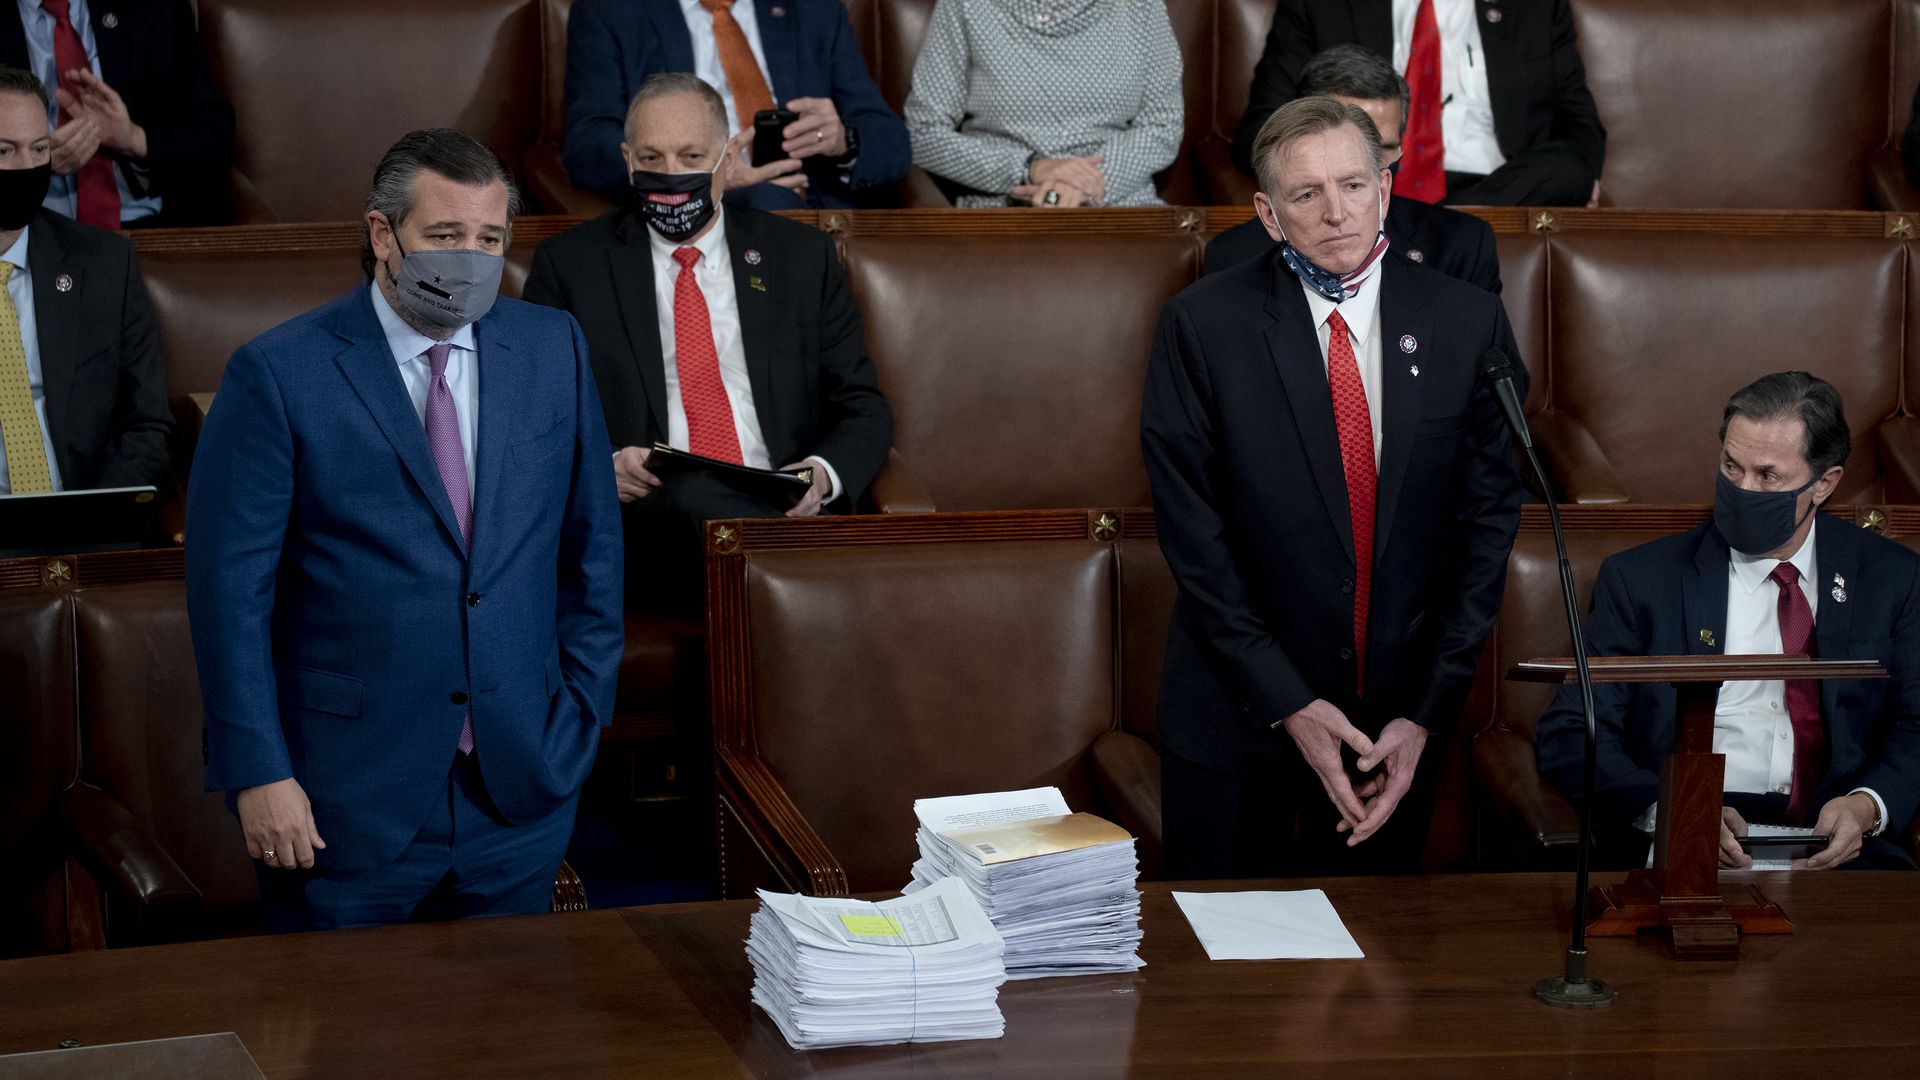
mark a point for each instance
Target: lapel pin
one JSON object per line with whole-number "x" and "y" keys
{"x": 109, "y": 20}
{"x": 63, "y": 283}
{"x": 754, "y": 283}
{"x": 1839, "y": 589}
{"x": 753, "y": 256}
{"x": 777, "y": 12}
{"x": 1407, "y": 343}
{"x": 1416, "y": 255}
{"x": 1706, "y": 638}
{"x": 1416, "y": 370}
{"x": 1493, "y": 15}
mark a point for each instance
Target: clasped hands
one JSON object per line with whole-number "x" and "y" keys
{"x": 1385, "y": 769}
{"x": 1074, "y": 181}
{"x": 92, "y": 119}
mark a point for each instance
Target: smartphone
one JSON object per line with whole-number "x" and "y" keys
{"x": 1784, "y": 847}
{"x": 767, "y": 127}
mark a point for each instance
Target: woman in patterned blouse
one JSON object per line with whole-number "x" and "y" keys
{"x": 1049, "y": 102}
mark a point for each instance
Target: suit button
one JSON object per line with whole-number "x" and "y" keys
{"x": 458, "y": 697}
{"x": 1346, "y": 654}
{"x": 1347, "y": 586}
{"x": 473, "y": 599}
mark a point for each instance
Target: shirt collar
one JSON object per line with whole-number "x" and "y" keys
{"x": 1357, "y": 310}
{"x": 405, "y": 342}
{"x": 1751, "y": 571}
{"x": 17, "y": 254}
{"x": 712, "y": 245}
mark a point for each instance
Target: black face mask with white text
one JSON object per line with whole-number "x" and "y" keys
{"x": 676, "y": 205}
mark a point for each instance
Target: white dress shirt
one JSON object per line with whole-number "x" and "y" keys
{"x": 714, "y": 274}
{"x": 1466, "y": 112}
{"x": 706, "y": 52}
{"x": 1361, "y": 313}
{"x": 20, "y": 291}
{"x": 409, "y": 347}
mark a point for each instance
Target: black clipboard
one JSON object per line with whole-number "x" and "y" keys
{"x": 777, "y": 487}
{"x": 73, "y": 522}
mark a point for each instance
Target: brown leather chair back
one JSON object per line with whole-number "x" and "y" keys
{"x": 1768, "y": 104}
{"x": 898, "y": 29}
{"x": 39, "y": 758}
{"x": 320, "y": 91}
{"x": 1241, "y": 37}
{"x": 1523, "y": 289}
{"x": 1014, "y": 362}
{"x": 1650, "y": 332}
{"x": 553, "y": 69}
{"x": 1147, "y": 592}
{"x": 140, "y": 722}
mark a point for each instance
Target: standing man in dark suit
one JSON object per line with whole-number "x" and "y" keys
{"x": 1456, "y": 244}
{"x": 404, "y": 574}
{"x": 1507, "y": 116}
{"x": 143, "y": 135}
{"x": 725, "y": 331}
{"x": 83, "y": 400}
{"x": 1337, "y": 496}
{"x": 1768, "y": 574}
{"x": 794, "y": 54}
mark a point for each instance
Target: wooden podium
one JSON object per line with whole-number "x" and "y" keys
{"x": 1681, "y": 896}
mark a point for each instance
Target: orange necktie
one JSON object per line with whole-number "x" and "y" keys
{"x": 1354, "y": 423}
{"x": 750, "y": 93}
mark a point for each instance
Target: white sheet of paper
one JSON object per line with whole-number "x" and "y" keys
{"x": 1299, "y": 925}
{"x": 988, "y": 808}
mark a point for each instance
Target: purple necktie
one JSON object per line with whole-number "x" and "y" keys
{"x": 443, "y": 434}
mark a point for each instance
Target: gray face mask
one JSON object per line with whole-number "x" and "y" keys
{"x": 447, "y": 288}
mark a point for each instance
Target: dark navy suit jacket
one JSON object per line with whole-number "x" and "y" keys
{"x": 1456, "y": 244}
{"x": 614, "y": 45}
{"x": 1655, "y": 599}
{"x": 342, "y": 626}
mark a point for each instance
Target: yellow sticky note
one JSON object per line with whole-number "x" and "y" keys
{"x": 871, "y": 925}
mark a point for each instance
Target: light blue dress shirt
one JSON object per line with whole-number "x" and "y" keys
{"x": 38, "y": 24}
{"x": 20, "y": 291}
{"x": 409, "y": 347}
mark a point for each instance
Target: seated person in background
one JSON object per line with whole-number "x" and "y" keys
{"x": 1456, "y": 244}
{"x": 1537, "y": 143}
{"x": 1048, "y": 102}
{"x": 144, "y": 137}
{"x": 83, "y": 400}
{"x": 1767, "y": 575}
{"x": 728, "y": 332}
{"x": 798, "y": 55}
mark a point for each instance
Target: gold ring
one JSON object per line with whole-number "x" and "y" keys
{"x": 268, "y": 855}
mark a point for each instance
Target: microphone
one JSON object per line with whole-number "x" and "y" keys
{"x": 1572, "y": 989}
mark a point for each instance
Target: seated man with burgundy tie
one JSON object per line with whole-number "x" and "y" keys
{"x": 1767, "y": 574}
{"x": 730, "y": 332}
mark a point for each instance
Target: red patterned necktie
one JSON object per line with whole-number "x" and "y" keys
{"x": 1803, "y": 695}
{"x": 1355, "y": 426}
{"x": 703, "y": 395}
{"x": 1424, "y": 155}
{"x": 94, "y": 185}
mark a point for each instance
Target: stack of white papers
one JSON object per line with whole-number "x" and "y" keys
{"x": 1062, "y": 888}
{"x": 839, "y": 972}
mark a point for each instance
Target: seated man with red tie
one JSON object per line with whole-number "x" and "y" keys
{"x": 730, "y": 332}
{"x": 1768, "y": 574}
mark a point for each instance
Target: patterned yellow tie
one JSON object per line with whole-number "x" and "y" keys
{"x": 19, "y": 427}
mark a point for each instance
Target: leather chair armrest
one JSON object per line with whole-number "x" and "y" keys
{"x": 1540, "y": 823}
{"x": 1224, "y": 184}
{"x": 1580, "y": 470}
{"x": 919, "y": 191}
{"x": 551, "y": 190}
{"x": 1887, "y": 181}
{"x": 775, "y": 826}
{"x": 117, "y": 848}
{"x": 1899, "y": 443}
{"x": 1126, "y": 770}
{"x": 896, "y": 490}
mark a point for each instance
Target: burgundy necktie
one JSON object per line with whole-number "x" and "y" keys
{"x": 703, "y": 394}
{"x": 1355, "y": 426}
{"x": 443, "y": 434}
{"x": 98, "y": 194}
{"x": 1803, "y": 695}
{"x": 1423, "y": 165}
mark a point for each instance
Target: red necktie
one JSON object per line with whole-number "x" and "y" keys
{"x": 744, "y": 81}
{"x": 1355, "y": 426}
{"x": 702, "y": 393}
{"x": 1424, "y": 156}
{"x": 99, "y": 197}
{"x": 1803, "y": 695}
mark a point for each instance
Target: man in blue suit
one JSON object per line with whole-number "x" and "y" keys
{"x": 799, "y": 54}
{"x": 404, "y": 576}
{"x": 1769, "y": 574}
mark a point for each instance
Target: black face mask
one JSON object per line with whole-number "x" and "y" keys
{"x": 1755, "y": 522}
{"x": 21, "y": 193}
{"x": 677, "y": 205}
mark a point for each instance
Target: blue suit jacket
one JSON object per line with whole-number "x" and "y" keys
{"x": 1655, "y": 599}
{"x": 341, "y": 625}
{"x": 614, "y": 45}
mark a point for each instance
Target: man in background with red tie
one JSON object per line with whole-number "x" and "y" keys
{"x": 725, "y": 331}
{"x": 1769, "y": 574}
{"x": 143, "y": 137}
{"x": 1500, "y": 112}
{"x": 404, "y": 572}
{"x": 1336, "y": 496}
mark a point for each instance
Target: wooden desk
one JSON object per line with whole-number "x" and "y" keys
{"x": 663, "y": 992}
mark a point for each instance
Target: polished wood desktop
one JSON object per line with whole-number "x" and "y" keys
{"x": 662, "y": 991}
